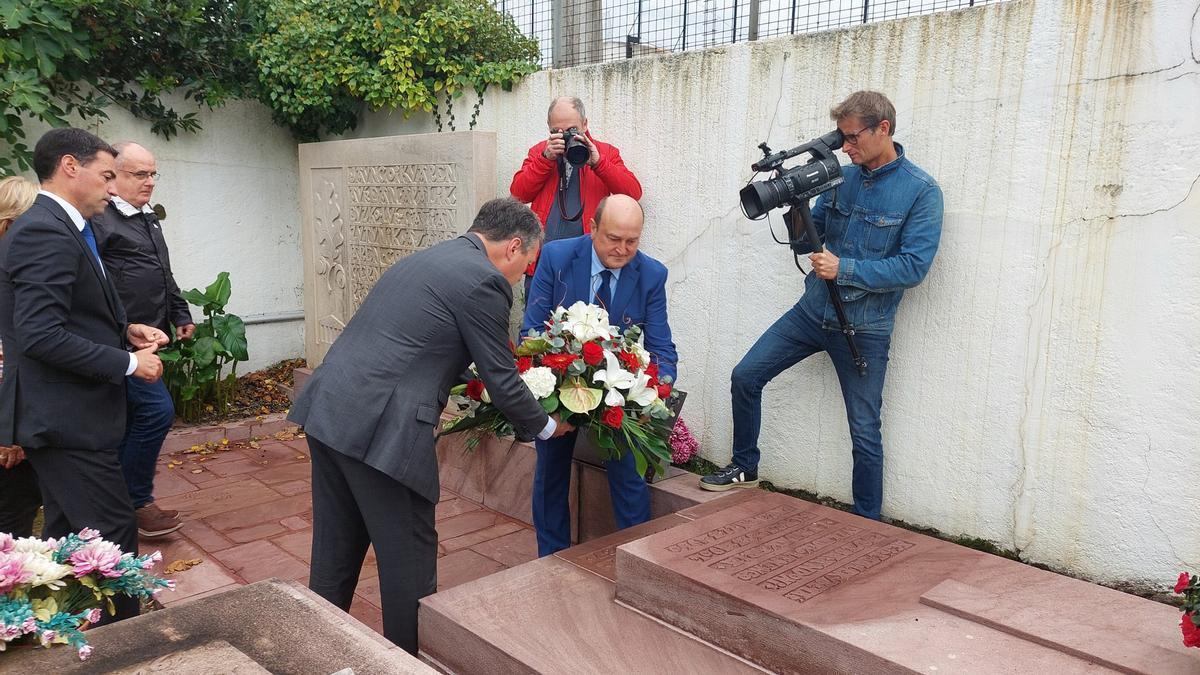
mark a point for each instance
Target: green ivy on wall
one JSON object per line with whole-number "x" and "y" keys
{"x": 315, "y": 63}
{"x": 60, "y": 58}
{"x": 320, "y": 61}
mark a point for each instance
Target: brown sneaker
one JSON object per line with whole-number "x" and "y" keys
{"x": 154, "y": 522}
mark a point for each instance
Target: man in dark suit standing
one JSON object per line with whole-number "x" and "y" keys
{"x": 607, "y": 269}
{"x": 372, "y": 407}
{"x": 65, "y": 339}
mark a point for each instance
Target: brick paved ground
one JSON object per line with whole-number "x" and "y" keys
{"x": 247, "y": 509}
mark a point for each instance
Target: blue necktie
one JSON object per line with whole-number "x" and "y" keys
{"x": 604, "y": 293}
{"x": 90, "y": 238}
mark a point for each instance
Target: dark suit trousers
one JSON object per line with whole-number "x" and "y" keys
{"x": 19, "y": 499}
{"x": 85, "y": 488}
{"x": 354, "y": 506}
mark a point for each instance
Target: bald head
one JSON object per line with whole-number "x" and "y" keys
{"x": 136, "y": 173}
{"x": 617, "y": 230}
{"x": 566, "y": 112}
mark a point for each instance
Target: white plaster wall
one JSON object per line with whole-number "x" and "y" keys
{"x": 230, "y": 192}
{"x": 1041, "y": 391}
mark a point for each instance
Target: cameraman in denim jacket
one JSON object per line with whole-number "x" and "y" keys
{"x": 881, "y": 229}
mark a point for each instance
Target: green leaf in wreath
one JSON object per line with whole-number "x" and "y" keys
{"x": 577, "y": 397}
{"x": 532, "y": 347}
{"x": 550, "y": 403}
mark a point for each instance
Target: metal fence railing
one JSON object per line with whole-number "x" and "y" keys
{"x": 578, "y": 32}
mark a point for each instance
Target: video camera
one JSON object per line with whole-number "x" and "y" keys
{"x": 793, "y": 188}
{"x": 798, "y": 184}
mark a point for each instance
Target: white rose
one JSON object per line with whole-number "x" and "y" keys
{"x": 540, "y": 380}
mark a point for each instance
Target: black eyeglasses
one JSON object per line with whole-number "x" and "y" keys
{"x": 143, "y": 175}
{"x": 852, "y": 139}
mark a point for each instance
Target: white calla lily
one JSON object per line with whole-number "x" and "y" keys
{"x": 614, "y": 399}
{"x": 587, "y": 322}
{"x": 641, "y": 394}
{"x": 612, "y": 375}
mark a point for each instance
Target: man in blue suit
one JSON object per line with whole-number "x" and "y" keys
{"x": 604, "y": 268}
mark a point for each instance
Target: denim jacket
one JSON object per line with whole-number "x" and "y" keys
{"x": 884, "y": 226}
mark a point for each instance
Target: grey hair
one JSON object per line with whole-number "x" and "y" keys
{"x": 506, "y": 218}
{"x": 574, "y": 101}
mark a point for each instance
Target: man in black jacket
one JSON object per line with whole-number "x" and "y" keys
{"x": 135, "y": 254}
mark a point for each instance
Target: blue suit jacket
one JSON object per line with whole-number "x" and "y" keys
{"x": 564, "y": 275}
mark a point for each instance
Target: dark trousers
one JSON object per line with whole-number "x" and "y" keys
{"x": 150, "y": 414}
{"x": 355, "y": 506}
{"x": 84, "y": 488}
{"x": 551, "y": 493}
{"x": 19, "y": 499}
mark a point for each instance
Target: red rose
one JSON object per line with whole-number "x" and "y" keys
{"x": 1182, "y": 584}
{"x": 524, "y": 363}
{"x": 613, "y": 417}
{"x": 1191, "y": 634}
{"x": 630, "y": 361}
{"x": 593, "y": 353}
{"x": 664, "y": 391}
{"x": 652, "y": 371}
{"x": 475, "y": 390}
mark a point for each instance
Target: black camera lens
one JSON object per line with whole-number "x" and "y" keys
{"x": 577, "y": 152}
{"x": 797, "y": 183}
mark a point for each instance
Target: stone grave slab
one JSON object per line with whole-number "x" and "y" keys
{"x": 270, "y": 626}
{"x": 217, "y": 656}
{"x": 550, "y": 616}
{"x": 599, "y": 556}
{"x": 367, "y": 203}
{"x": 798, "y": 587}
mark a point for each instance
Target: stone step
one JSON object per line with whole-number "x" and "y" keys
{"x": 799, "y": 588}
{"x": 558, "y": 615}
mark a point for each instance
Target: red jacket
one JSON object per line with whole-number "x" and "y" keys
{"x": 537, "y": 180}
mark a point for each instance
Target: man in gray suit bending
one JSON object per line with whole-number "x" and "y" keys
{"x": 371, "y": 409}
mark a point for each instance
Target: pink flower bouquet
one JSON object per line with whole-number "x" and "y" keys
{"x": 50, "y": 588}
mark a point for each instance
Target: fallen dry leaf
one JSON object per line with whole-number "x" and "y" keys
{"x": 181, "y": 565}
{"x": 197, "y": 470}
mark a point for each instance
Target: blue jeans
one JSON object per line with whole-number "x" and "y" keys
{"x": 552, "y": 485}
{"x": 150, "y": 414}
{"x": 793, "y": 337}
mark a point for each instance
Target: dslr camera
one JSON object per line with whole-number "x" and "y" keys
{"x": 577, "y": 152}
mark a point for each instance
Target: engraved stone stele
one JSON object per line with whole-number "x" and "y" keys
{"x": 799, "y": 588}
{"x": 368, "y": 203}
{"x": 271, "y": 626}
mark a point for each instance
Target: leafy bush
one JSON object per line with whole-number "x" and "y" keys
{"x": 319, "y": 61}
{"x": 315, "y": 63}
{"x": 75, "y": 57}
{"x": 193, "y": 367}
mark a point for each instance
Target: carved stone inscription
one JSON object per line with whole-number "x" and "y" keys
{"x": 330, "y": 259}
{"x": 789, "y": 552}
{"x": 395, "y": 210}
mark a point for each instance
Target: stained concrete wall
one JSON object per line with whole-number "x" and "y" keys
{"x": 230, "y": 192}
{"x": 1041, "y": 391}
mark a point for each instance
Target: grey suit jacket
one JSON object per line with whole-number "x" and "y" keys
{"x": 379, "y": 393}
{"x": 63, "y": 329}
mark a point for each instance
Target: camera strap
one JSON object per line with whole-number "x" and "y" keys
{"x": 565, "y": 170}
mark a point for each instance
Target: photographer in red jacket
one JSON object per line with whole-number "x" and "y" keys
{"x": 563, "y": 185}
